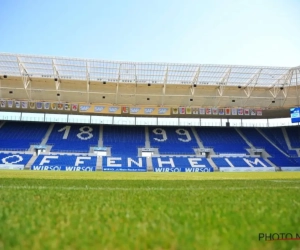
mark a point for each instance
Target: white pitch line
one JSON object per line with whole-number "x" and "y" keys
{"x": 294, "y": 181}
{"x": 143, "y": 188}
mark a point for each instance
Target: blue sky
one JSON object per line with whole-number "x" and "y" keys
{"x": 253, "y": 32}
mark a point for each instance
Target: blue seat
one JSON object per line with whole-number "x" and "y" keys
{"x": 20, "y": 135}
{"x": 222, "y": 140}
{"x": 124, "y": 140}
{"x": 173, "y": 140}
{"x": 14, "y": 158}
{"x": 258, "y": 141}
{"x": 73, "y": 138}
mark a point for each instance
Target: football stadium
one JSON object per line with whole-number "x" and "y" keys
{"x": 149, "y": 125}
{"x": 126, "y": 155}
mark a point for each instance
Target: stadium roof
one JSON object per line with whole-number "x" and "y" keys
{"x": 170, "y": 73}
{"x": 212, "y": 81}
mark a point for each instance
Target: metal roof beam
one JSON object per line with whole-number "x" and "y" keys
{"x": 224, "y": 81}
{"x": 25, "y": 77}
{"x": 118, "y": 83}
{"x": 285, "y": 89}
{"x": 297, "y": 85}
{"x": 135, "y": 78}
{"x": 56, "y": 75}
{"x": 164, "y": 86}
{"x": 248, "y": 89}
{"x": 275, "y": 89}
{"x": 87, "y": 82}
{"x": 194, "y": 81}
{"x": 281, "y": 78}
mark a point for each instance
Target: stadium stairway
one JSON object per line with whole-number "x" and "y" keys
{"x": 245, "y": 139}
{"x": 31, "y": 161}
{"x": 1, "y": 124}
{"x": 100, "y": 141}
{"x": 149, "y": 164}
{"x": 271, "y": 142}
{"x": 288, "y": 142}
{"x": 271, "y": 164}
{"x": 45, "y": 139}
{"x": 211, "y": 162}
{"x": 108, "y": 151}
{"x": 201, "y": 146}
{"x": 99, "y": 164}
{"x": 294, "y": 136}
{"x": 147, "y": 145}
{"x": 147, "y": 141}
{"x": 200, "y": 143}
{"x": 198, "y": 140}
{"x": 265, "y": 155}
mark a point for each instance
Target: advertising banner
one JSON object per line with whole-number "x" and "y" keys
{"x": 182, "y": 110}
{"x": 187, "y": 170}
{"x": 62, "y": 168}
{"x": 74, "y": 107}
{"x": 181, "y": 164}
{"x": 208, "y": 111}
{"x": 63, "y": 162}
{"x": 142, "y": 110}
{"x": 215, "y": 111}
{"x": 227, "y": 111}
{"x": 99, "y": 109}
{"x": 10, "y": 103}
{"x": 247, "y": 169}
{"x": 67, "y": 106}
{"x": 3, "y": 103}
{"x": 175, "y": 111}
{"x": 24, "y": 104}
{"x": 47, "y": 105}
{"x": 119, "y": 164}
{"x": 195, "y": 111}
{"x": 252, "y": 112}
{"x": 259, "y": 112}
{"x": 11, "y": 167}
{"x": 234, "y": 111}
{"x": 202, "y": 111}
{"x": 241, "y": 111}
{"x": 188, "y": 110}
{"x": 53, "y": 105}
{"x": 149, "y": 111}
{"x": 32, "y": 105}
{"x": 290, "y": 169}
{"x": 125, "y": 110}
{"x": 39, "y": 105}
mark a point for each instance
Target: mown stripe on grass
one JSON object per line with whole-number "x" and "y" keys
{"x": 144, "y": 188}
{"x": 100, "y": 175}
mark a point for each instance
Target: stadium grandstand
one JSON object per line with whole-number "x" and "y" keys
{"x": 90, "y": 115}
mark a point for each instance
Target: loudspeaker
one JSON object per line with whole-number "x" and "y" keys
{"x": 227, "y": 124}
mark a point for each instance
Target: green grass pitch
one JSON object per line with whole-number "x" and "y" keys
{"x": 79, "y": 210}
